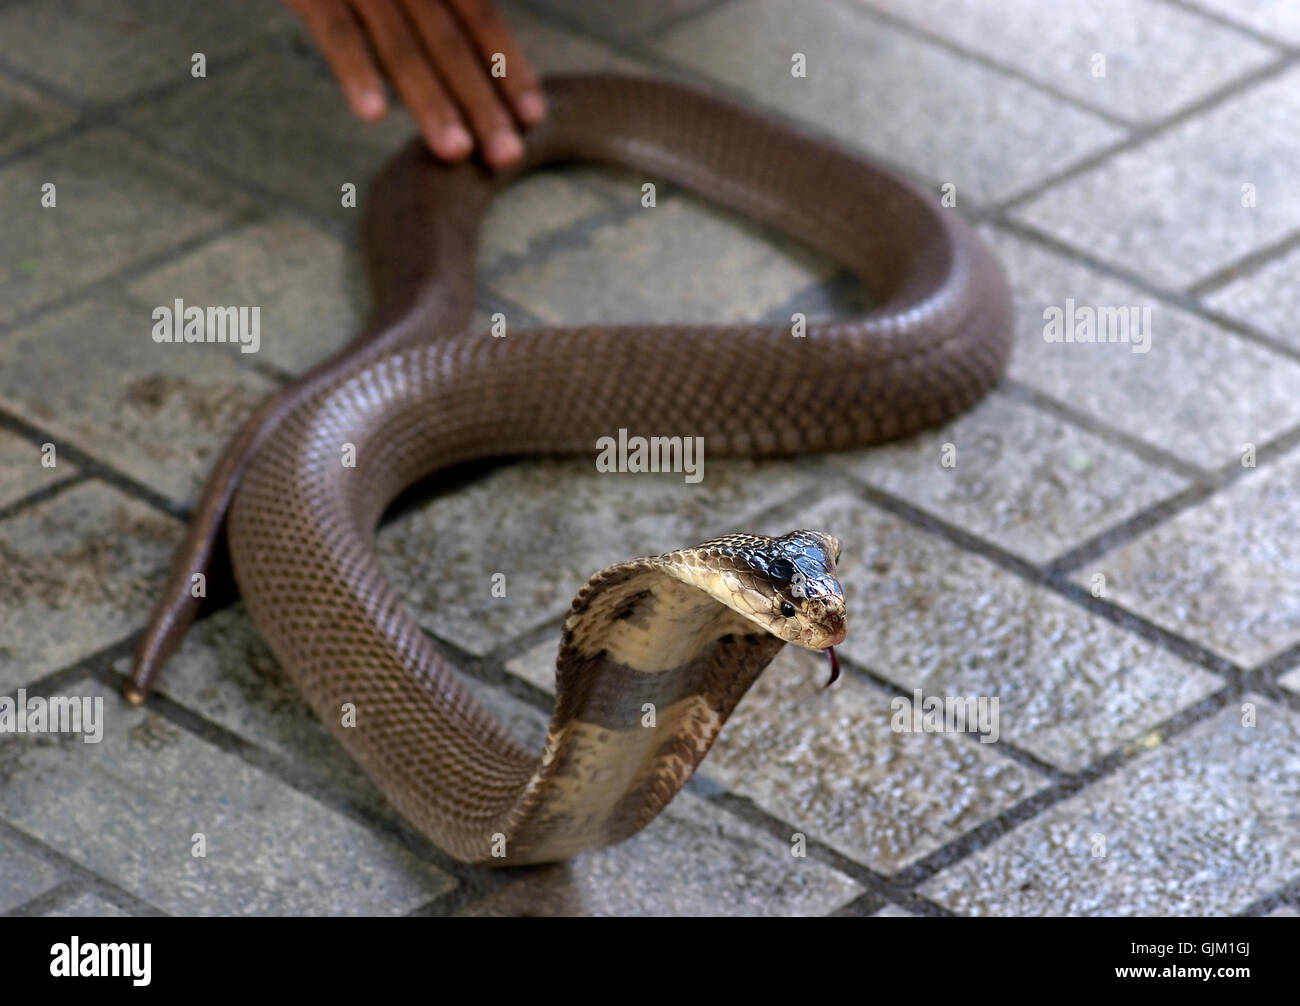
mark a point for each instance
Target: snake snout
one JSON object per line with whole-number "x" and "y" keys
{"x": 826, "y": 626}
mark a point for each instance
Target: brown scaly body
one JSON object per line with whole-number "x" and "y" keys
{"x": 417, "y": 393}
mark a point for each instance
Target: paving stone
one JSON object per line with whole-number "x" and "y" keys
{"x": 1278, "y": 19}
{"x": 882, "y": 89}
{"x": 127, "y": 809}
{"x": 626, "y": 19}
{"x": 126, "y": 47}
{"x": 1023, "y": 478}
{"x": 78, "y": 571}
{"x": 693, "y": 859}
{"x": 87, "y": 906}
{"x": 534, "y": 208}
{"x": 1291, "y": 680}
{"x": 829, "y": 763}
{"x": 665, "y": 264}
{"x": 22, "y": 875}
{"x": 922, "y": 613}
{"x": 892, "y": 912}
{"x": 1171, "y": 209}
{"x": 1283, "y": 912}
{"x": 117, "y": 204}
{"x": 302, "y": 146}
{"x": 1201, "y": 825}
{"x": 309, "y": 286}
{"x": 1268, "y": 298}
{"x": 548, "y": 526}
{"x": 160, "y": 412}
{"x": 551, "y": 49}
{"x": 1222, "y": 572}
{"x": 1158, "y": 58}
{"x": 1199, "y": 393}
{"x": 225, "y": 673}
{"x": 21, "y": 471}
{"x": 27, "y": 116}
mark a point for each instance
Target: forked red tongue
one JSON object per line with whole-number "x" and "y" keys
{"x": 835, "y": 666}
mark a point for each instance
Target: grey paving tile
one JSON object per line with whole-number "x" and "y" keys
{"x": 1185, "y": 395}
{"x": 1121, "y": 210}
{"x": 26, "y": 115}
{"x": 892, "y": 912}
{"x": 125, "y": 47}
{"x": 552, "y": 49}
{"x": 158, "y": 411}
{"x": 1278, "y": 19}
{"x": 1202, "y": 825}
{"x": 1267, "y": 298}
{"x": 77, "y": 572}
{"x": 309, "y": 286}
{"x": 1283, "y": 912}
{"x": 536, "y": 207}
{"x": 879, "y": 88}
{"x": 625, "y": 19}
{"x": 1022, "y": 479}
{"x": 21, "y": 470}
{"x": 1071, "y": 686}
{"x": 117, "y": 204}
{"x": 1158, "y": 58}
{"x": 128, "y": 808}
{"x": 303, "y": 146}
{"x": 829, "y": 764}
{"x": 547, "y": 526}
{"x": 225, "y": 673}
{"x": 22, "y": 875}
{"x": 1291, "y": 680}
{"x": 1223, "y": 572}
{"x": 87, "y": 906}
{"x": 664, "y": 264}
{"x": 693, "y": 859}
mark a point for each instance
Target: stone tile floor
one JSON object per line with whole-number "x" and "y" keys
{"x": 1114, "y": 555}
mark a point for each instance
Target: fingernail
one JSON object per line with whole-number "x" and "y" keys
{"x": 453, "y": 141}
{"x": 368, "y": 104}
{"x": 503, "y": 147}
{"x": 531, "y": 107}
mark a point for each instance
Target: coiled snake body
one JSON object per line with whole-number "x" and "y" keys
{"x": 684, "y": 634}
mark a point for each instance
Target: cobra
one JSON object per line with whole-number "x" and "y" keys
{"x": 685, "y": 633}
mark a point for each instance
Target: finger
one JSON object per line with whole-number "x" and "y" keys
{"x": 489, "y": 32}
{"x": 461, "y": 69}
{"x": 408, "y": 68}
{"x": 341, "y": 40}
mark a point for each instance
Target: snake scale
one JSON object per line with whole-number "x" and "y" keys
{"x": 683, "y": 634}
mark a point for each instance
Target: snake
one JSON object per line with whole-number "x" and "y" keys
{"x": 656, "y": 651}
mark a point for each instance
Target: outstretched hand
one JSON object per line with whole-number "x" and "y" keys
{"x": 453, "y": 62}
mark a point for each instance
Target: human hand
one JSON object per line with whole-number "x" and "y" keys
{"x": 439, "y": 56}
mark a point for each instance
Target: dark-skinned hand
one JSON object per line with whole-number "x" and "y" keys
{"x": 438, "y": 56}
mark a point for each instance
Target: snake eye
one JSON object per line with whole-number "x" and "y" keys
{"x": 787, "y": 609}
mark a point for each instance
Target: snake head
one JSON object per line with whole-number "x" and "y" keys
{"x": 807, "y": 601}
